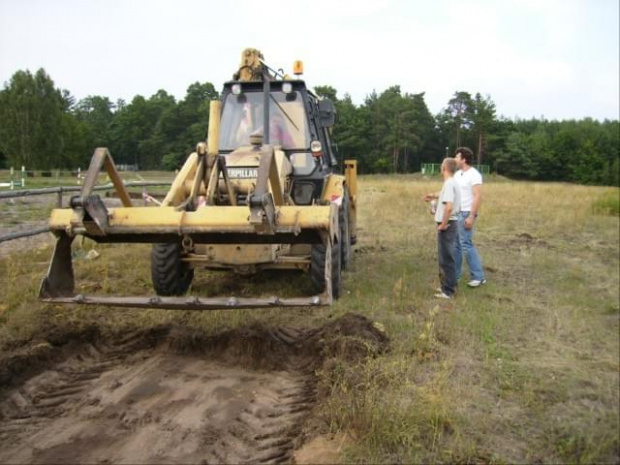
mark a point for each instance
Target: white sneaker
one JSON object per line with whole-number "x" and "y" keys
{"x": 442, "y": 295}
{"x": 476, "y": 282}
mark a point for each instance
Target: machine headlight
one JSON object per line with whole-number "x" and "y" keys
{"x": 316, "y": 148}
{"x": 236, "y": 89}
{"x": 287, "y": 87}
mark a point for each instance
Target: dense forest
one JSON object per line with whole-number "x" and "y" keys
{"x": 44, "y": 127}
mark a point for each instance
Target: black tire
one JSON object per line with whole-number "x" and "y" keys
{"x": 317, "y": 269}
{"x": 345, "y": 235}
{"x": 169, "y": 274}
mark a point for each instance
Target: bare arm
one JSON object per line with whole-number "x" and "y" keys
{"x": 432, "y": 196}
{"x": 477, "y": 189}
{"x": 446, "y": 217}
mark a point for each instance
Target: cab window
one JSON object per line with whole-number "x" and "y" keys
{"x": 243, "y": 116}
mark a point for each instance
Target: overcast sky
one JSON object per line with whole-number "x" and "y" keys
{"x": 553, "y": 58}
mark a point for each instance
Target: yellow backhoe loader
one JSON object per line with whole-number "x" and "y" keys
{"x": 261, "y": 192}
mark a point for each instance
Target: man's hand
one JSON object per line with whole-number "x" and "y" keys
{"x": 469, "y": 221}
{"x": 429, "y": 197}
{"x": 442, "y": 227}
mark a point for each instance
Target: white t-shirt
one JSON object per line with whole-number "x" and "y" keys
{"x": 450, "y": 192}
{"x": 467, "y": 180}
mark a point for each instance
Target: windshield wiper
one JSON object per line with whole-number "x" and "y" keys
{"x": 284, "y": 111}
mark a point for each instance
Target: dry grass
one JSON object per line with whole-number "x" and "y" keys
{"x": 524, "y": 369}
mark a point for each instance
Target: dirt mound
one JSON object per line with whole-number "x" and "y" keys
{"x": 171, "y": 394}
{"x": 350, "y": 337}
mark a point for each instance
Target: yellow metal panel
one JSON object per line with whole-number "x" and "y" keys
{"x": 334, "y": 187}
{"x": 241, "y": 254}
{"x": 60, "y": 218}
{"x": 213, "y": 141}
{"x": 350, "y": 172}
{"x": 178, "y": 191}
{"x": 208, "y": 218}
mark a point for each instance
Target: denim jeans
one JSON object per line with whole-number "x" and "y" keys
{"x": 446, "y": 252}
{"x": 465, "y": 246}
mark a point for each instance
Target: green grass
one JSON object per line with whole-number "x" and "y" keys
{"x": 608, "y": 203}
{"x": 524, "y": 369}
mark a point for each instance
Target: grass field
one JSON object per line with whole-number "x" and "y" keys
{"x": 524, "y": 369}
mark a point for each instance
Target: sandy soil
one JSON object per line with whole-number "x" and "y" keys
{"x": 240, "y": 397}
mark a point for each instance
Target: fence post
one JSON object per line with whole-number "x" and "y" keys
{"x": 23, "y": 176}
{"x": 59, "y": 198}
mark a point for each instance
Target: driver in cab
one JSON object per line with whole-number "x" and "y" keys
{"x": 278, "y": 132}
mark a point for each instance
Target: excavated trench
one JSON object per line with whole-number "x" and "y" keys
{"x": 169, "y": 395}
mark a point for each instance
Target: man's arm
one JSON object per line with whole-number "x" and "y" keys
{"x": 446, "y": 217}
{"x": 432, "y": 196}
{"x": 477, "y": 191}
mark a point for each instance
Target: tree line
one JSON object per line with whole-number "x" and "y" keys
{"x": 44, "y": 127}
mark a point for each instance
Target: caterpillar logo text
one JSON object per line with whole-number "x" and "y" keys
{"x": 242, "y": 173}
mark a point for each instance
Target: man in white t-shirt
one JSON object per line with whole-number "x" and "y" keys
{"x": 470, "y": 181}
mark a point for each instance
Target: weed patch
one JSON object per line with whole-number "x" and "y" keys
{"x": 607, "y": 204}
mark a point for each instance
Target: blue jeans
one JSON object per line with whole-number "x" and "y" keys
{"x": 466, "y": 246}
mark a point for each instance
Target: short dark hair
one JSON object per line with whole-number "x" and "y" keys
{"x": 466, "y": 154}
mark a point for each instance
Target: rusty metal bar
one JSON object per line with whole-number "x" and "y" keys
{"x": 190, "y": 302}
{"x": 102, "y": 158}
{"x": 19, "y": 235}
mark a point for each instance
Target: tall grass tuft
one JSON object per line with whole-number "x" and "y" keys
{"x": 607, "y": 204}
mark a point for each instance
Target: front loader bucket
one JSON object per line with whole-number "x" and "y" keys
{"x": 209, "y": 224}
{"x": 260, "y": 222}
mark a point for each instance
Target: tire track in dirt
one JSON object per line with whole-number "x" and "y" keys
{"x": 240, "y": 397}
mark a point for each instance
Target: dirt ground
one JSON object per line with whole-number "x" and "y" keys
{"x": 165, "y": 395}
{"x": 170, "y": 396}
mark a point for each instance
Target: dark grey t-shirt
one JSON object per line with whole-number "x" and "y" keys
{"x": 450, "y": 192}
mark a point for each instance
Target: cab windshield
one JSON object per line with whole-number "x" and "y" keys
{"x": 243, "y": 116}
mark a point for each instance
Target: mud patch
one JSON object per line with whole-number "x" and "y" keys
{"x": 521, "y": 242}
{"x": 175, "y": 396}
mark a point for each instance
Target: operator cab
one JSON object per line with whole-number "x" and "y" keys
{"x": 297, "y": 126}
